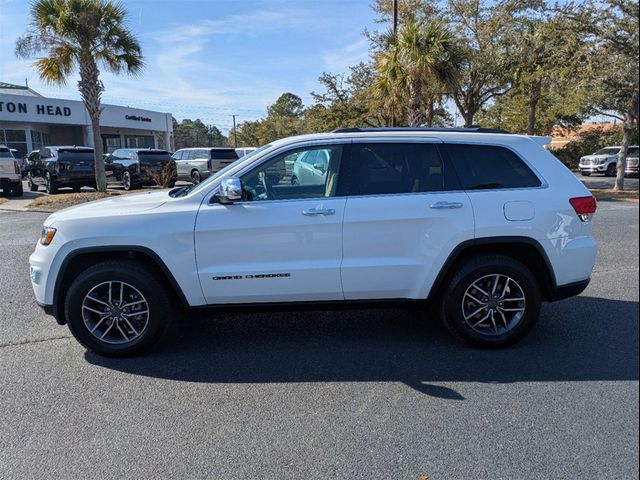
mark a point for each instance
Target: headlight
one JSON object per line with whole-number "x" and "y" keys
{"x": 46, "y": 237}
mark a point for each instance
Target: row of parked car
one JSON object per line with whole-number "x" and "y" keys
{"x": 55, "y": 167}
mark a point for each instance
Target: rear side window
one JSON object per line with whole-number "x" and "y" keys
{"x": 391, "y": 168}
{"x": 229, "y": 154}
{"x": 482, "y": 167}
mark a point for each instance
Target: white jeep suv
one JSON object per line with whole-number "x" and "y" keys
{"x": 489, "y": 225}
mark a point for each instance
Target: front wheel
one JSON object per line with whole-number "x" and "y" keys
{"x": 491, "y": 301}
{"x": 126, "y": 181}
{"x": 195, "y": 177}
{"x": 611, "y": 170}
{"x": 32, "y": 186}
{"x": 115, "y": 310}
{"x": 50, "y": 184}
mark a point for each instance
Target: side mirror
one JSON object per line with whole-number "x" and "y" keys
{"x": 230, "y": 191}
{"x": 319, "y": 166}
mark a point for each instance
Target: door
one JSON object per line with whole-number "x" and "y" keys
{"x": 180, "y": 167}
{"x": 404, "y": 216}
{"x": 282, "y": 243}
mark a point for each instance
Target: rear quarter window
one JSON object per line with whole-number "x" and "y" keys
{"x": 224, "y": 154}
{"x": 484, "y": 167}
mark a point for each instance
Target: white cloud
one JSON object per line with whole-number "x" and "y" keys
{"x": 340, "y": 60}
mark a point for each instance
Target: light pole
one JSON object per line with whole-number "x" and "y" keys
{"x": 235, "y": 135}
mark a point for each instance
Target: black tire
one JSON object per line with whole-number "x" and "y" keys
{"x": 50, "y": 184}
{"x": 32, "y": 186}
{"x": 77, "y": 188}
{"x": 139, "y": 276}
{"x": 294, "y": 180}
{"x": 477, "y": 269}
{"x": 611, "y": 171}
{"x": 127, "y": 183}
{"x": 196, "y": 178}
{"x": 586, "y": 174}
{"x": 16, "y": 190}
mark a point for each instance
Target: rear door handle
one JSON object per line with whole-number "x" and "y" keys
{"x": 445, "y": 205}
{"x": 318, "y": 211}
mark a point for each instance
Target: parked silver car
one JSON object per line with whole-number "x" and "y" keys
{"x": 310, "y": 168}
{"x": 196, "y": 164}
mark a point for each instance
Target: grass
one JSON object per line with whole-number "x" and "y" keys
{"x": 607, "y": 194}
{"x": 65, "y": 200}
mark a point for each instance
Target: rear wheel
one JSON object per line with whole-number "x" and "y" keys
{"x": 16, "y": 190}
{"x": 115, "y": 310}
{"x": 491, "y": 301}
{"x": 611, "y": 170}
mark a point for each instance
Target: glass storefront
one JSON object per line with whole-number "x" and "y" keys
{"x": 39, "y": 139}
{"x": 139, "y": 141}
{"x": 14, "y": 139}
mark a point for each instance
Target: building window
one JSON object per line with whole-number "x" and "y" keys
{"x": 39, "y": 139}
{"x": 139, "y": 141}
{"x": 14, "y": 139}
{"x": 111, "y": 143}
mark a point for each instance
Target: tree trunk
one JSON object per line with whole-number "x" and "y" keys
{"x": 430, "y": 112}
{"x": 534, "y": 97}
{"x": 413, "y": 109}
{"x": 627, "y": 131}
{"x": 91, "y": 93}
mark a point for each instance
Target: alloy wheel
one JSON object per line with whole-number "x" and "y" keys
{"x": 493, "y": 304}
{"x": 115, "y": 312}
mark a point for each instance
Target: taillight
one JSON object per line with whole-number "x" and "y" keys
{"x": 16, "y": 166}
{"x": 585, "y": 207}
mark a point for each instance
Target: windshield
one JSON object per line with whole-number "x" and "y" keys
{"x": 608, "y": 151}
{"x": 223, "y": 172}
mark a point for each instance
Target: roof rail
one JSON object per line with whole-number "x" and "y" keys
{"x": 421, "y": 129}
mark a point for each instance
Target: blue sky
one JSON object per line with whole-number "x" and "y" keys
{"x": 208, "y": 59}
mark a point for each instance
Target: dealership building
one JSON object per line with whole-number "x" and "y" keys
{"x": 29, "y": 121}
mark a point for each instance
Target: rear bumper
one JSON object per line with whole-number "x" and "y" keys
{"x": 84, "y": 179}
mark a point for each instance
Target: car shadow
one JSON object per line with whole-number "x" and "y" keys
{"x": 580, "y": 339}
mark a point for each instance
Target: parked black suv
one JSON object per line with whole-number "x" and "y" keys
{"x": 61, "y": 166}
{"x": 136, "y": 167}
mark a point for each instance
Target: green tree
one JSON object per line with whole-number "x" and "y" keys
{"x": 482, "y": 33}
{"x": 550, "y": 77}
{"x": 420, "y": 59}
{"x": 87, "y": 35}
{"x": 287, "y": 105}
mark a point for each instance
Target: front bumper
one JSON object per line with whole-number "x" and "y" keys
{"x": 593, "y": 168}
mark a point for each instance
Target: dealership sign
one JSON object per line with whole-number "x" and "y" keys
{"x": 41, "y": 109}
{"x": 35, "y": 109}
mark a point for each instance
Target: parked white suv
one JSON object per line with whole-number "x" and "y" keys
{"x": 488, "y": 225}
{"x": 604, "y": 161}
{"x": 10, "y": 173}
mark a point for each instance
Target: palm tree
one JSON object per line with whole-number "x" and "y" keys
{"x": 420, "y": 55}
{"x": 87, "y": 35}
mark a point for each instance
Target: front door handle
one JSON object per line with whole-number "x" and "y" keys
{"x": 318, "y": 211}
{"x": 445, "y": 205}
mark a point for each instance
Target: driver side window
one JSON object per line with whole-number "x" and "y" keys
{"x": 290, "y": 176}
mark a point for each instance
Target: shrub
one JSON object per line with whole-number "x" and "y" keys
{"x": 166, "y": 177}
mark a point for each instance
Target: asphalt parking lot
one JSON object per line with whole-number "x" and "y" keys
{"x": 354, "y": 394}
